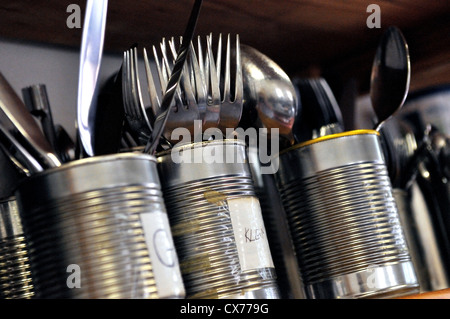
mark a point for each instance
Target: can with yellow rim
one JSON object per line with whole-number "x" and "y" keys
{"x": 343, "y": 218}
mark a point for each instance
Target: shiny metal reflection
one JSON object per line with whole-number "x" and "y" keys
{"x": 343, "y": 218}
{"x": 275, "y": 220}
{"x": 196, "y": 196}
{"x": 88, "y": 213}
{"x": 15, "y": 275}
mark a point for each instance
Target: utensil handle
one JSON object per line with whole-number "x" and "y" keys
{"x": 18, "y": 155}
{"x": 36, "y": 100}
{"x": 15, "y": 118}
{"x": 174, "y": 80}
{"x": 89, "y": 69}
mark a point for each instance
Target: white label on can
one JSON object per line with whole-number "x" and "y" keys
{"x": 163, "y": 255}
{"x": 250, "y": 233}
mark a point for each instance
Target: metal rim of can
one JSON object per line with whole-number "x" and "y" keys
{"x": 96, "y": 159}
{"x": 329, "y": 137}
{"x": 331, "y": 151}
{"x": 194, "y": 145}
{"x": 88, "y": 174}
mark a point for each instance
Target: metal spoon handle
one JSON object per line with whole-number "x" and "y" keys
{"x": 15, "y": 118}
{"x": 174, "y": 80}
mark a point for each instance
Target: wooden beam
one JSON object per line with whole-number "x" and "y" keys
{"x": 439, "y": 294}
{"x": 429, "y": 47}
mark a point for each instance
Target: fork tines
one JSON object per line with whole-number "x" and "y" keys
{"x": 210, "y": 90}
{"x": 134, "y": 107}
{"x": 184, "y": 112}
{"x": 231, "y": 96}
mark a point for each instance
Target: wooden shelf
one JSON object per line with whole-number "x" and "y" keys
{"x": 440, "y": 294}
{"x": 300, "y": 35}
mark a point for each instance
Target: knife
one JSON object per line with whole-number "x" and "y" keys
{"x": 90, "y": 61}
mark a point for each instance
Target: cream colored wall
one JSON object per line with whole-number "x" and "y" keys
{"x": 25, "y": 64}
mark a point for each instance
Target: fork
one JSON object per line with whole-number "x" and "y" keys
{"x": 231, "y": 105}
{"x": 185, "y": 113}
{"x": 134, "y": 108}
{"x": 207, "y": 76}
{"x": 225, "y": 106}
{"x": 199, "y": 96}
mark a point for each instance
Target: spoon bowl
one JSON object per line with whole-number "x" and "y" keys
{"x": 390, "y": 77}
{"x": 270, "y": 99}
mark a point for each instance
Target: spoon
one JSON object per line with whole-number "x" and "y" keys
{"x": 389, "y": 86}
{"x": 270, "y": 99}
{"x": 390, "y": 77}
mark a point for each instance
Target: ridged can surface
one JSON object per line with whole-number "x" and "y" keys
{"x": 98, "y": 228}
{"x": 15, "y": 274}
{"x": 343, "y": 218}
{"x": 216, "y": 222}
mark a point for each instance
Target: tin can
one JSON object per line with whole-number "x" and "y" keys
{"x": 343, "y": 218}
{"x": 98, "y": 228}
{"x": 216, "y": 221}
{"x": 278, "y": 235}
{"x": 15, "y": 274}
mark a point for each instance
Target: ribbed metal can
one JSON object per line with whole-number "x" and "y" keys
{"x": 216, "y": 221}
{"x": 343, "y": 218}
{"x": 278, "y": 235}
{"x": 97, "y": 228}
{"x": 15, "y": 274}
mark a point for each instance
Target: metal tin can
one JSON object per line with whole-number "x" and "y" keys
{"x": 343, "y": 218}
{"x": 278, "y": 235}
{"x": 216, "y": 221}
{"x": 98, "y": 228}
{"x": 15, "y": 275}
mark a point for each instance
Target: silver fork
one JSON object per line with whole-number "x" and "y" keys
{"x": 208, "y": 74}
{"x": 231, "y": 107}
{"x": 185, "y": 111}
{"x": 134, "y": 108}
{"x": 224, "y": 105}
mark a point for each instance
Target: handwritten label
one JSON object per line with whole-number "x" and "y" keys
{"x": 254, "y": 234}
{"x": 163, "y": 255}
{"x": 250, "y": 233}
